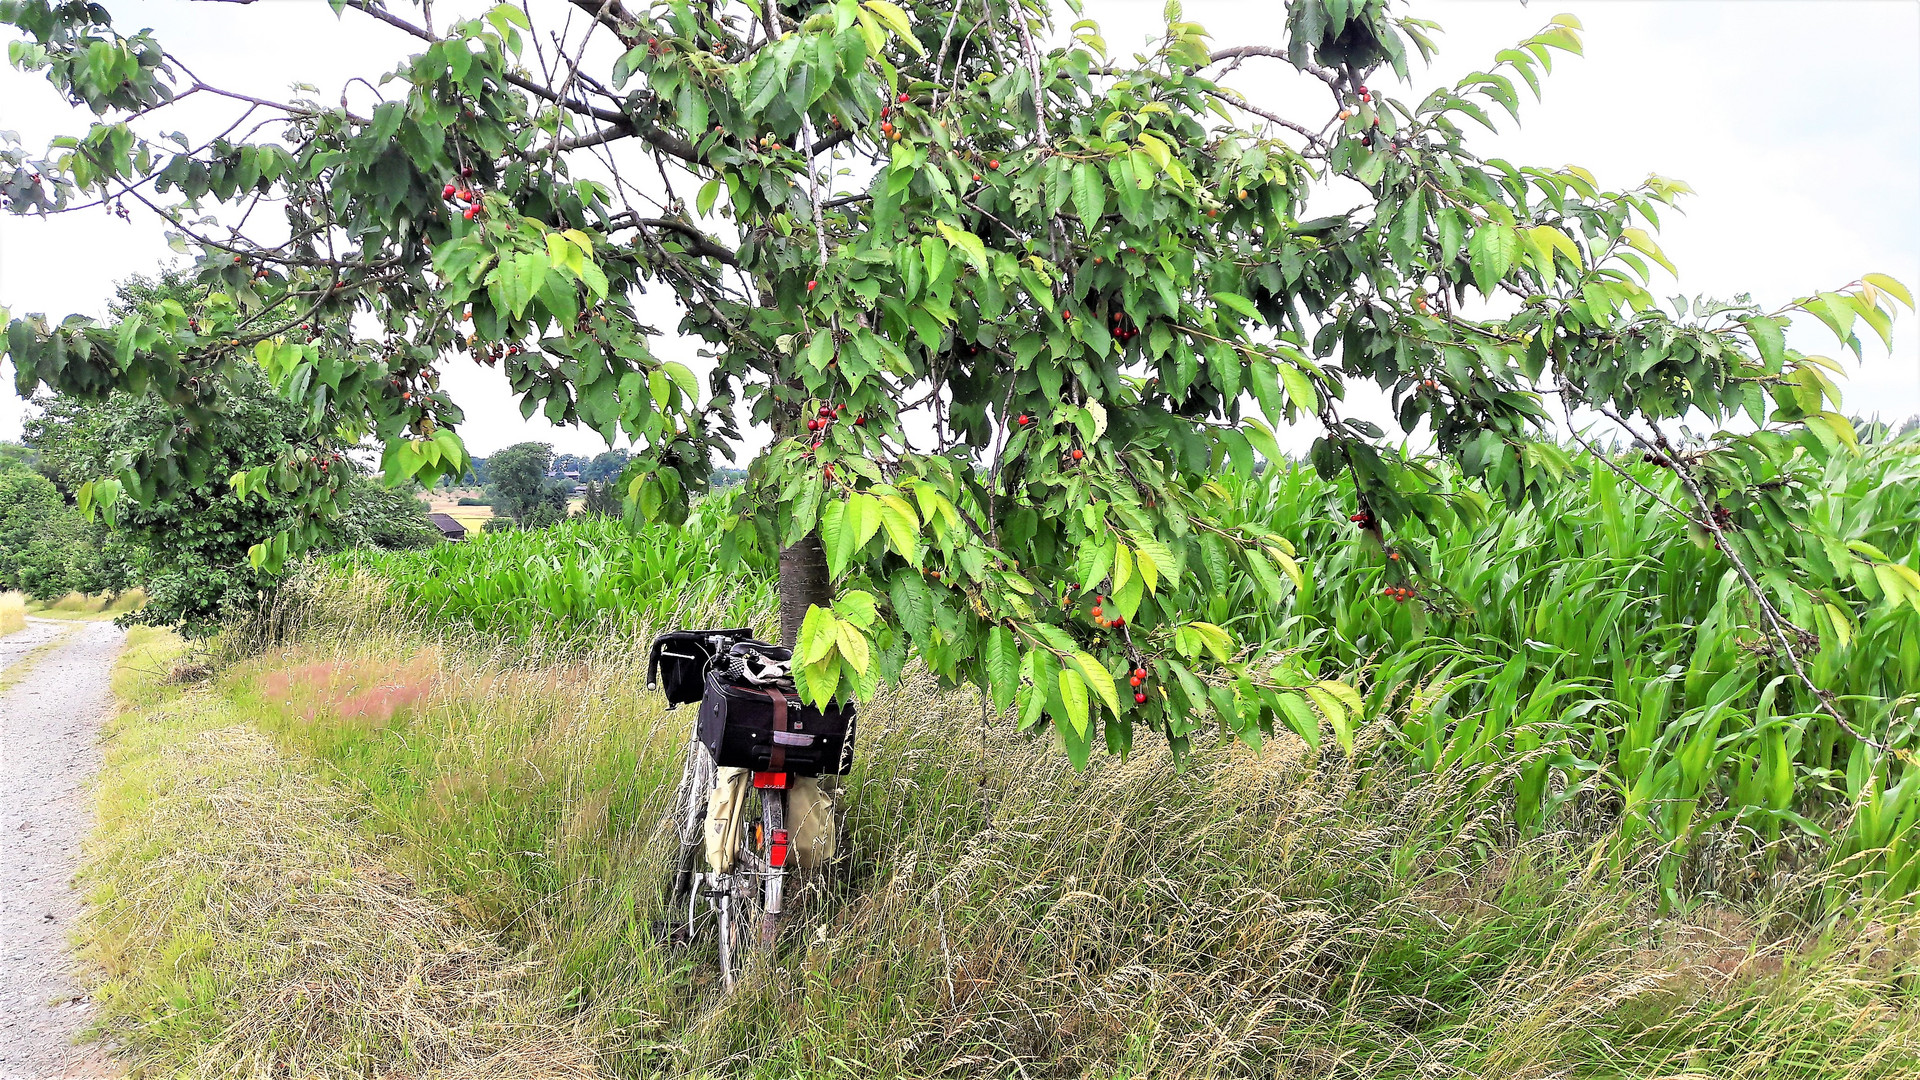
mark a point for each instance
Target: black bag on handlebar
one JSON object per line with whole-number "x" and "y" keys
{"x": 680, "y": 659}
{"x": 769, "y": 729}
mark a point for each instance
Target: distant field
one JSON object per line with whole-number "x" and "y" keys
{"x": 446, "y": 501}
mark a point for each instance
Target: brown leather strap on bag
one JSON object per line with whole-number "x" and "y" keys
{"x": 777, "y": 756}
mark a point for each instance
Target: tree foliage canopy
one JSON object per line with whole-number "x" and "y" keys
{"x": 1093, "y": 277}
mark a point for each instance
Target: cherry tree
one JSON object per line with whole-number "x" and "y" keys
{"x": 1005, "y": 299}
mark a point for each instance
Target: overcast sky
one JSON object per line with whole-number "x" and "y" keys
{"x": 1796, "y": 121}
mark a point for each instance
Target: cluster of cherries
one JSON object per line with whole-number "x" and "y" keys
{"x": 1361, "y": 518}
{"x": 1138, "y": 680}
{"x": 1124, "y": 330}
{"x": 886, "y": 126}
{"x": 327, "y": 458}
{"x": 1099, "y": 614}
{"x": 830, "y": 413}
{"x": 461, "y": 194}
{"x": 492, "y": 354}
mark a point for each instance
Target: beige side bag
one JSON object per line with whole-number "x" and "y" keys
{"x": 809, "y": 819}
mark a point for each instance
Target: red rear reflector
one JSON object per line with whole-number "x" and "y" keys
{"x": 770, "y": 779}
{"x": 777, "y": 852}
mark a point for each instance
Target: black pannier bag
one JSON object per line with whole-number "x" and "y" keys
{"x": 680, "y": 659}
{"x": 771, "y": 730}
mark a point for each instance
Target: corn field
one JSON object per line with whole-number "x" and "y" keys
{"x": 579, "y": 582}
{"x": 1600, "y": 655}
{"x": 1586, "y": 653}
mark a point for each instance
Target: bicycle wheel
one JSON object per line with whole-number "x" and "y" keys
{"x": 686, "y": 824}
{"x": 751, "y": 893}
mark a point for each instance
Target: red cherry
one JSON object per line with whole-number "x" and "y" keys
{"x": 903, "y": 99}
{"x": 1025, "y": 419}
{"x": 812, "y": 285}
{"x": 447, "y": 192}
{"x": 1135, "y": 681}
{"x": 470, "y": 212}
{"x": 994, "y": 164}
{"x": 1077, "y": 454}
{"x": 1121, "y": 621}
{"x": 976, "y": 178}
{"x": 1139, "y": 698}
{"x": 1096, "y": 611}
{"x": 859, "y": 421}
{"x": 467, "y": 171}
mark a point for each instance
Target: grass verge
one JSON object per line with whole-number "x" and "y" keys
{"x": 241, "y": 921}
{"x": 1256, "y": 915}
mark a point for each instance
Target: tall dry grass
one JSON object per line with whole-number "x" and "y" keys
{"x": 1271, "y": 914}
{"x": 90, "y": 606}
{"x": 13, "y": 612}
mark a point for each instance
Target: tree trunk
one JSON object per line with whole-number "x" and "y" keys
{"x": 803, "y": 583}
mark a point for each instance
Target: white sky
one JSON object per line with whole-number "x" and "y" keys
{"x": 1796, "y": 121}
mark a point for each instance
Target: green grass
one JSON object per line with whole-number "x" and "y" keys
{"x": 241, "y": 921}
{"x": 13, "y": 612}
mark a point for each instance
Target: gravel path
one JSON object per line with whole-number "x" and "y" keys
{"x": 49, "y": 750}
{"x": 37, "y": 633}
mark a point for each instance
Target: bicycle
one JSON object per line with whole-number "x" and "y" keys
{"x": 746, "y": 899}
{"x": 758, "y": 747}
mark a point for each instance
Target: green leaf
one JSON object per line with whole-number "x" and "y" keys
{"x": 897, "y": 20}
{"x": 1889, "y": 286}
{"x": 1767, "y": 338}
{"x": 1299, "y": 388}
{"x": 853, "y": 646}
{"x": 1096, "y": 561}
{"x": 817, "y": 636}
{"x": 1099, "y": 678}
{"x": 970, "y": 245}
{"x": 1073, "y": 694}
{"x": 1089, "y": 194}
{"x": 683, "y": 377}
{"x": 1238, "y": 303}
{"x": 857, "y": 606}
{"x": 902, "y": 525}
{"x": 1491, "y": 252}
{"x": 1003, "y": 666}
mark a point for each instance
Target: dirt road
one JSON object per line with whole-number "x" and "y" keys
{"x": 49, "y": 748}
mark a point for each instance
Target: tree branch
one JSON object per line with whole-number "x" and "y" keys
{"x": 698, "y": 242}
